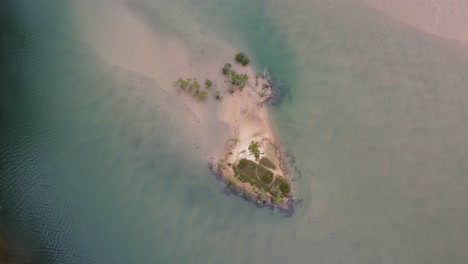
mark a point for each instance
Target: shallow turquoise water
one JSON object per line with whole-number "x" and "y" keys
{"x": 96, "y": 170}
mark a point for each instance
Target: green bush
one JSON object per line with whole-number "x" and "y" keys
{"x": 226, "y": 69}
{"x": 254, "y": 149}
{"x": 202, "y": 95}
{"x": 267, "y": 178}
{"x": 239, "y": 79}
{"x": 242, "y": 58}
{"x": 208, "y": 83}
{"x": 284, "y": 187}
{"x": 192, "y": 86}
{"x": 242, "y": 163}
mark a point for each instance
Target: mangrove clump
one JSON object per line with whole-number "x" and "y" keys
{"x": 242, "y": 58}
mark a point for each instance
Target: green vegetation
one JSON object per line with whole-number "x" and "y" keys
{"x": 285, "y": 188}
{"x": 201, "y": 94}
{"x": 227, "y": 69}
{"x": 262, "y": 171}
{"x": 208, "y": 83}
{"x": 254, "y": 149}
{"x": 192, "y": 86}
{"x": 234, "y": 78}
{"x": 255, "y": 174}
{"x": 242, "y": 58}
{"x": 267, "y": 163}
{"x": 240, "y": 80}
{"x": 267, "y": 178}
{"x": 243, "y": 163}
{"x": 247, "y": 172}
{"x": 282, "y": 186}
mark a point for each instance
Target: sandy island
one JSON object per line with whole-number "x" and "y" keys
{"x": 177, "y": 68}
{"x": 247, "y": 116}
{"x": 250, "y": 164}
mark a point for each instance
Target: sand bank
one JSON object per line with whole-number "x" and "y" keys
{"x": 444, "y": 18}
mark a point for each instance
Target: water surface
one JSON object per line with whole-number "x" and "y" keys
{"x": 100, "y": 164}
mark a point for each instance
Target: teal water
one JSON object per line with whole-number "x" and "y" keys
{"x": 100, "y": 165}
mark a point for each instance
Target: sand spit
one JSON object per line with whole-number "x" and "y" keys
{"x": 123, "y": 39}
{"x": 444, "y": 18}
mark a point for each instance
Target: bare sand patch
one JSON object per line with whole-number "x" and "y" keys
{"x": 444, "y": 18}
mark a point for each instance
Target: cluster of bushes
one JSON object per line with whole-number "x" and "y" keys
{"x": 242, "y": 58}
{"x": 234, "y": 78}
{"x": 254, "y": 149}
{"x": 240, "y": 80}
{"x": 192, "y": 86}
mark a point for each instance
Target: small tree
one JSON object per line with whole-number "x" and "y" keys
{"x": 254, "y": 149}
{"x": 208, "y": 83}
{"x": 226, "y": 69}
{"x": 202, "y": 95}
{"x": 195, "y": 85}
{"x": 284, "y": 187}
{"x": 183, "y": 84}
{"x": 242, "y": 58}
{"x": 267, "y": 178}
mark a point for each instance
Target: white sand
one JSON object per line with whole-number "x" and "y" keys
{"x": 444, "y": 18}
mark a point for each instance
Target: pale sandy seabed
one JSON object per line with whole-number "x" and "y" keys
{"x": 444, "y": 18}
{"x": 130, "y": 44}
